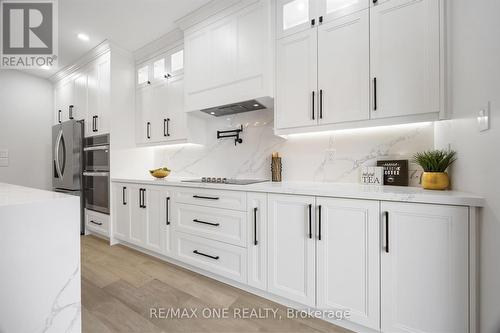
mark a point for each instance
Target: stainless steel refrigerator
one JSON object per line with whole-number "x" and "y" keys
{"x": 67, "y": 160}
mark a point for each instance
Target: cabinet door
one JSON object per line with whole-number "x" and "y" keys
{"x": 296, "y": 81}
{"x": 121, "y": 212}
{"x": 145, "y": 105}
{"x": 64, "y": 99}
{"x": 257, "y": 240}
{"x": 405, "y": 58}
{"x": 291, "y": 250}
{"x": 138, "y": 227}
{"x": 294, "y": 16}
{"x": 154, "y": 240}
{"x": 329, "y": 10}
{"x": 348, "y": 258}
{"x": 99, "y": 96}
{"x": 344, "y": 69}
{"x": 173, "y": 125}
{"x": 424, "y": 263}
{"x": 80, "y": 105}
{"x": 58, "y": 103}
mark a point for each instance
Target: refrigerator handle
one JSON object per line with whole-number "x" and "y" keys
{"x": 56, "y": 154}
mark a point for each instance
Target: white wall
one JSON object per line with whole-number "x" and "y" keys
{"x": 331, "y": 157}
{"x": 474, "y": 72}
{"x": 26, "y": 128}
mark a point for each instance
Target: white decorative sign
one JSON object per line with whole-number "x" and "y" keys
{"x": 372, "y": 175}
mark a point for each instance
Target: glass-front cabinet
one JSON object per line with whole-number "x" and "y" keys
{"x": 297, "y": 15}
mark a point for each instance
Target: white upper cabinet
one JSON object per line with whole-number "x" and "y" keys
{"x": 160, "y": 116}
{"x": 143, "y": 75}
{"x": 343, "y": 69}
{"x": 332, "y": 9}
{"x": 228, "y": 58}
{"x": 405, "y": 58}
{"x": 99, "y": 95}
{"x": 348, "y": 258}
{"x": 294, "y": 16}
{"x": 79, "y": 108}
{"x": 424, "y": 265}
{"x": 296, "y": 80}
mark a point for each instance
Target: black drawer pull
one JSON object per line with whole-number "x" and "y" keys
{"x": 204, "y": 222}
{"x": 94, "y": 222}
{"x": 319, "y": 222}
{"x": 255, "y": 241}
{"x": 206, "y": 255}
{"x": 167, "y": 205}
{"x": 310, "y": 221}
{"x": 204, "y": 197}
{"x": 386, "y": 215}
{"x": 123, "y": 195}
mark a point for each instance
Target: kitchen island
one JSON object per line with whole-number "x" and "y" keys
{"x": 40, "y": 261}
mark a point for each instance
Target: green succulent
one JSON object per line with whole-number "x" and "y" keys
{"x": 435, "y": 160}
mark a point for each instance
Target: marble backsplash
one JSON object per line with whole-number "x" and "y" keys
{"x": 327, "y": 157}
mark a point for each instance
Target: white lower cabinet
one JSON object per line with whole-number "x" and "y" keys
{"x": 97, "y": 222}
{"x": 393, "y": 267}
{"x": 291, "y": 247}
{"x": 142, "y": 217}
{"x": 348, "y": 253}
{"x": 257, "y": 240}
{"x": 424, "y": 263}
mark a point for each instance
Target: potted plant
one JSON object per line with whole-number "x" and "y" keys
{"x": 435, "y": 163}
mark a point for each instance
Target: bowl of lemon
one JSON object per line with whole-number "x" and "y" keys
{"x": 160, "y": 173}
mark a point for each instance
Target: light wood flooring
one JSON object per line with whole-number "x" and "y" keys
{"x": 120, "y": 285}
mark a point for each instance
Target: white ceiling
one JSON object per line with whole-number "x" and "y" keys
{"x": 129, "y": 23}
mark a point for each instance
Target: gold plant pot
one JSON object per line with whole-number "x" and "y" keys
{"x": 435, "y": 180}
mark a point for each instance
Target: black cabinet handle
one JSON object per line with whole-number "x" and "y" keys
{"x": 204, "y": 222}
{"x": 166, "y": 130}
{"x": 148, "y": 130}
{"x": 375, "y": 94}
{"x": 204, "y": 197}
{"x": 123, "y": 195}
{"x": 167, "y": 212}
{"x": 143, "y": 198}
{"x": 375, "y": 1}
{"x": 310, "y": 221}
{"x": 205, "y": 255}
{"x": 96, "y": 124}
{"x": 319, "y": 222}
{"x": 321, "y": 104}
{"x": 59, "y": 116}
{"x": 386, "y": 215}
{"x": 320, "y": 19}
{"x": 70, "y": 112}
{"x": 255, "y": 242}
{"x": 94, "y": 222}
{"x": 313, "y": 22}
{"x": 313, "y": 98}
{"x": 140, "y": 198}
{"x": 149, "y": 82}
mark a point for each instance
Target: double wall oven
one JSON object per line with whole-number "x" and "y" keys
{"x": 96, "y": 173}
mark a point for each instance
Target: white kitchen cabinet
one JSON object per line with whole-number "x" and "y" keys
{"x": 329, "y": 10}
{"x": 64, "y": 94}
{"x": 348, "y": 258}
{"x": 257, "y": 240}
{"x": 424, "y": 265}
{"x": 155, "y": 238}
{"x": 138, "y": 215}
{"x": 294, "y": 16}
{"x": 80, "y": 100}
{"x": 228, "y": 58}
{"x": 166, "y": 214}
{"x": 343, "y": 69}
{"x": 121, "y": 211}
{"x": 160, "y": 116}
{"x": 405, "y": 58}
{"x": 296, "y": 80}
{"x": 291, "y": 247}
{"x": 99, "y": 86}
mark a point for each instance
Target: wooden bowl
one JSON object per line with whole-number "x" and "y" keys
{"x": 159, "y": 173}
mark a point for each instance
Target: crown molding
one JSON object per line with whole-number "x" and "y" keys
{"x": 97, "y": 51}
{"x": 204, "y": 12}
{"x": 168, "y": 41}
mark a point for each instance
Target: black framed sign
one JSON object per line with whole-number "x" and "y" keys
{"x": 395, "y": 172}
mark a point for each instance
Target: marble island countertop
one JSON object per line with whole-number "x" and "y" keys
{"x": 340, "y": 190}
{"x": 19, "y": 195}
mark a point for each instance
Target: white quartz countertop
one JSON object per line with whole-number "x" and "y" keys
{"x": 19, "y": 195}
{"x": 338, "y": 190}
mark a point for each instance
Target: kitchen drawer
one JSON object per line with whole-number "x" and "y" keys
{"x": 97, "y": 222}
{"x": 235, "y": 200}
{"x": 216, "y": 257}
{"x": 223, "y": 225}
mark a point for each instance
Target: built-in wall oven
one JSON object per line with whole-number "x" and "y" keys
{"x": 96, "y": 173}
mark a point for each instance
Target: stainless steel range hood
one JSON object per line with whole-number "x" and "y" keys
{"x": 239, "y": 107}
